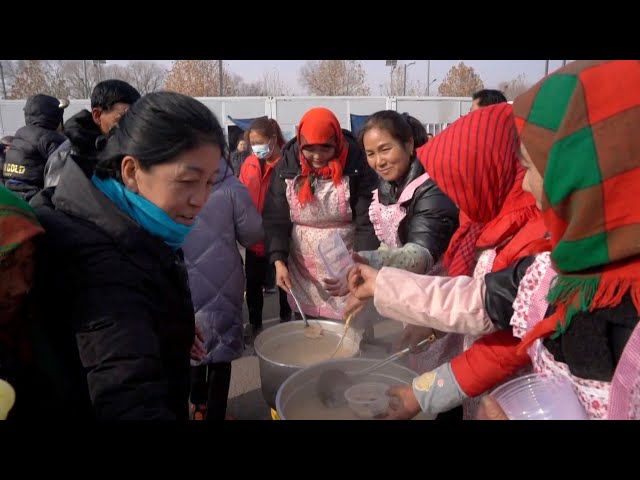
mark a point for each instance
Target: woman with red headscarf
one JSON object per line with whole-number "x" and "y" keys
{"x": 322, "y": 185}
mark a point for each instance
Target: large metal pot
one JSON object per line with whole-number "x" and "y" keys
{"x": 296, "y": 398}
{"x": 274, "y": 370}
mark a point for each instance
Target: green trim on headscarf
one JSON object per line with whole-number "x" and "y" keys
{"x": 564, "y": 289}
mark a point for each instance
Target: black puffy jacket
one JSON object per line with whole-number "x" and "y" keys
{"x": 32, "y": 145}
{"x": 431, "y": 219}
{"x": 118, "y": 311}
{"x": 276, "y": 214}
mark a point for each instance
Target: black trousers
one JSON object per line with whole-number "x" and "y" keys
{"x": 270, "y": 277}
{"x": 255, "y": 269}
{"x": 210, "y": 386}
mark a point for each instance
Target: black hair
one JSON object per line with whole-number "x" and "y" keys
{"x": 419, "y": 130}
{"x": 109, "y": 92}
{"x": 488, "y": 97}
{"x": 265, "y": 126}
{"x": 158, "y": 128}
{"x": 402, "y": 127}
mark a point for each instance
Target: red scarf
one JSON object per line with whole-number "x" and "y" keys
{"x": 474, "y": 162}
{"x": 320, "y": 126}
{"x": 518, "y": 230}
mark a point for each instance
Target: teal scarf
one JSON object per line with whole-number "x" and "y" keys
{"x": 150, "y": 217}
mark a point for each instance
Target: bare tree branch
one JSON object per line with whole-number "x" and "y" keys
{"x": 515, "y": 87}
{"x": 146, "y": 77}
{"x": 334, "y": 77}
{"x": 38, "y": 76}
{"x": 10, "y": 70}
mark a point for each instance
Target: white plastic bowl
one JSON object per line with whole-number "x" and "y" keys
{"x": 368, "y": 400}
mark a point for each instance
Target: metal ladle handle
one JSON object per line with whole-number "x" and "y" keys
{"x": 396, "y": 355}
{"x": 304, "y": 317}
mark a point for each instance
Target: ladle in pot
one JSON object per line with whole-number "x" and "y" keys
{"x": 344, "y": 334}
{"x": 310, "y": 331}
{"x": 333, "y": 382}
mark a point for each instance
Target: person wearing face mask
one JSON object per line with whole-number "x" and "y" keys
{"x": 266, "y": 140}
{"x": 322, "y": 186}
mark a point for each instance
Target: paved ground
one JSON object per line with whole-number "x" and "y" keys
{"x": 245, "y": 397}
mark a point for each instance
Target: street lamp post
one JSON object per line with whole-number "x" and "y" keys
{"x": 546, "y": 68}
{"x": 429, "y": 85}
{"x": 392, "y": 64}
{"x": 86, "y": 81}
{"x": 428, "y": 77}
{"x": 220, "y": 76}
{"x": 97, "y": 63}
{"x": 404, "y": 89}
{"x": 4, "y": 88}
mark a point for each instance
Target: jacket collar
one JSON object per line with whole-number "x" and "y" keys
{"x": 389, "y": 192}
{"x": 76, "y": 196}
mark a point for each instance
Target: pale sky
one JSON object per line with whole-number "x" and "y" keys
{"x": 492, "y": 72}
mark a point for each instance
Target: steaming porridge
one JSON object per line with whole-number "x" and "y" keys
{"x": 298, "y": 350}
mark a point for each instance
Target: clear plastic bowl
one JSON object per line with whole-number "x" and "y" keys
{"x": 368, "y": 400}
{"x": 539, "y": 397}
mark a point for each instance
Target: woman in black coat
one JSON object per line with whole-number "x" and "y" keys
{"x": 119, "y": 313}
{"x": 413, "y": 219}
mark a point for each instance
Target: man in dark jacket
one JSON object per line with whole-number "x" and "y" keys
{"x": 109, "y": 100}
{"x": 239, "y": 156}
{"x": 24, "y": 165}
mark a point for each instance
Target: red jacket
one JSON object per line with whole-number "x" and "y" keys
{"x": 257, "y": 182}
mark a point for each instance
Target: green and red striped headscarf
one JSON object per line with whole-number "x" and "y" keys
{"x": 18, "y": 222}
{"x": 580, "y": 127}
